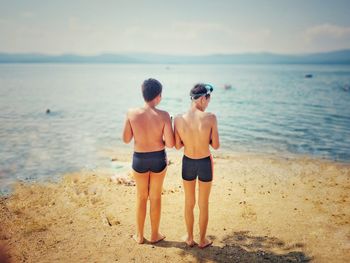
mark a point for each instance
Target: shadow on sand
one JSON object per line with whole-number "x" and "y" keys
{"x": 242, "y": 247}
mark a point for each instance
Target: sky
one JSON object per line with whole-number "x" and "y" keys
{"x": 174, "y": 27}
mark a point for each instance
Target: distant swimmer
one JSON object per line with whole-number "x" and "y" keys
{"x": 227, "y": 86}
{"x": 48, "y": 111}
{"x": 308, "y": 76}
{"x": 195, "y": 131}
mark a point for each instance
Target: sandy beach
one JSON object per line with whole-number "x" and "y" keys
{"x": 262, "y": 209}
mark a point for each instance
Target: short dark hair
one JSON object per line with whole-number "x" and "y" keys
{"x": 151, "y": 88}
{"x": 199, "y": 90}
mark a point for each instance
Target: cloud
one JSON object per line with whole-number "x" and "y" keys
{"x": 181, "y": 30}
{"x": 326, "y": 31}
{"x": 194, "y": 37}
{"x": 77, "y": 26}
{"x": 192, "y": 30}
{"x": 27, "y": 14}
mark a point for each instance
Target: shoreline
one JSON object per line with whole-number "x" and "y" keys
{"x": 127, "y": 150}
{"x": 262, "y": 208}
{"x": 125, "y": 156}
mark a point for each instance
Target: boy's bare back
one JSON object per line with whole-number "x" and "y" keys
{"x": 150, "y": 128}
{"x": 196, "y": 130}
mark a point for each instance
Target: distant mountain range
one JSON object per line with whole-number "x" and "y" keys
{"x": 334, "y": 57}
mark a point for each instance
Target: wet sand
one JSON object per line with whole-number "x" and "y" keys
{"x": 262, "y": 209}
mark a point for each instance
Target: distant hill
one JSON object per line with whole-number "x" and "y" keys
{"x": 334, "y": 57}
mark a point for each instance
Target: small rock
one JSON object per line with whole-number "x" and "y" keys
{"x": 92, "y": 190}
{"x": 111, "y": 217}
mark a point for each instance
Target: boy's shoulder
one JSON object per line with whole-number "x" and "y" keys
{"x": 133, "y": 111}
{"x": 178, "y": 118}
{"x": 210, "y": 116}
{"x": 163, "y": 113}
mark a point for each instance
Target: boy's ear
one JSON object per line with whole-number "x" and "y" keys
{"x": 159, "y": 98}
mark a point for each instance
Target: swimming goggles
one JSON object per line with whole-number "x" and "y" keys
{"x": 209, "y": 89}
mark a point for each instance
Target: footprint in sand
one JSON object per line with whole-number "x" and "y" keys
{"x": 248, "y": 212}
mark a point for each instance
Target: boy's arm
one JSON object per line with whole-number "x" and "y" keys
{"x": 168, "y": 132}
{"x": 215, "y": 143}
{"x": 178, "y": 142}
{"x": 127, "y": 131}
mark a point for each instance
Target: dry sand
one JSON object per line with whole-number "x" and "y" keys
{"x": 262, "y": 209}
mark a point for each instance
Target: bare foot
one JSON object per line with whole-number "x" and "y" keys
{"x": 205, "y": 244}
{"x": 189, "y": 241}
{"x": 159, "y": 238}
{"x": 139, "y": 240}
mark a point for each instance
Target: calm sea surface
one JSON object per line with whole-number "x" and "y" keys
{"x": 269, "y": 109}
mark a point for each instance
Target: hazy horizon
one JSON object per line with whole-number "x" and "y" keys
{"x": 169, "y": 54}
{"x": 174, "y": 28}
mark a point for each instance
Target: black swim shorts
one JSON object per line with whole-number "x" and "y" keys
{"x": 203, "y": 168}
{"x": 149, "y": 161}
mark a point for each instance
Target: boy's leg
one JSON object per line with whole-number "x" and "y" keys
{"x": 155, "y": 196}
{"x": 203, "y": 202}
{"x": 142, "y": 182}
{"x": 190, "y": 201}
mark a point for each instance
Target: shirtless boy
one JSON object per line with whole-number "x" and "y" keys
{"x": 152, "y": 130}
{"x": 196, "y": 130}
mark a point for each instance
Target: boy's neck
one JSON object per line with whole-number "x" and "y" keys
{"x": 151, "y": 105}
{"x": 196, "y": 106}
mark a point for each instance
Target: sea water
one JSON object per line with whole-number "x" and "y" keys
{"x": 270, "y": 109}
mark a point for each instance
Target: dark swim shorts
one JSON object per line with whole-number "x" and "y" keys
{"x": 149, "y": 161}
{"x": 203, "y": 168}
